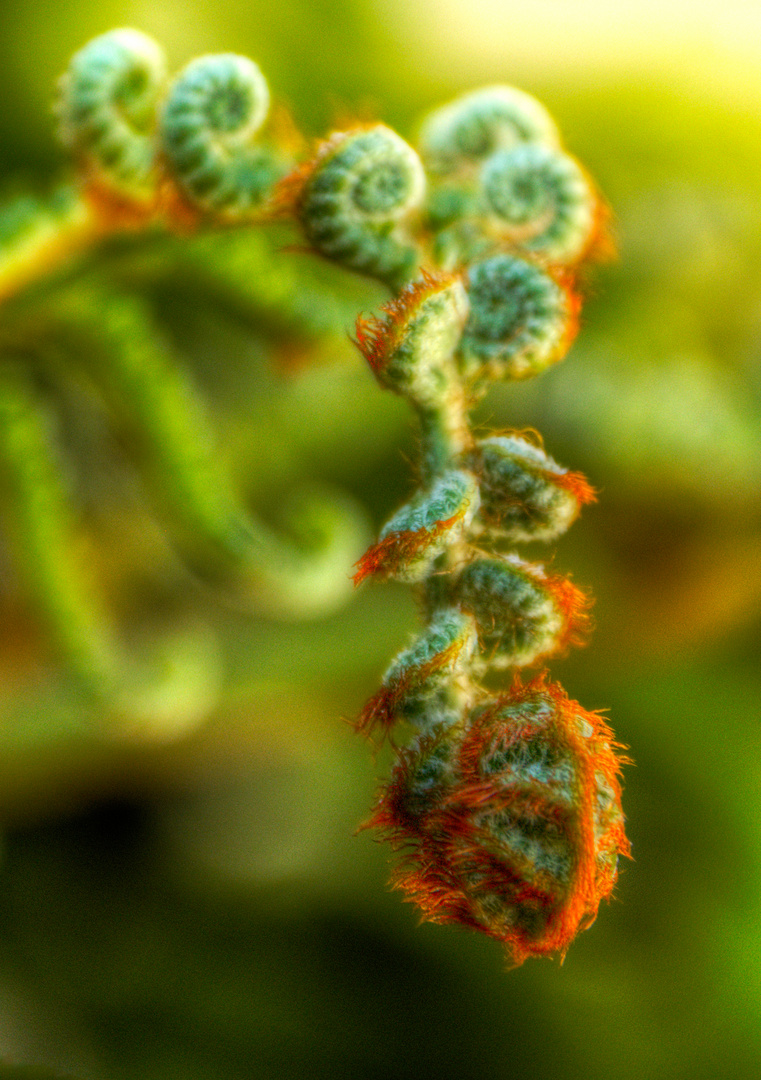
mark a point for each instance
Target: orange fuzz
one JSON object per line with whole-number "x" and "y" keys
{"x": 513, "y": 825}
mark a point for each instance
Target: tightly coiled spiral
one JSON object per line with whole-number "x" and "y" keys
{"x": 107, "y": 109}
{"x": 525, "y": 494}
{"x": 521, "y": 319}
{"x": 214, "y": 111}
{"x": 524, "y": 615}
{"x": 500, "y": 179}
{"x": 357, "y": 198}
{"x": 540, "y": 199}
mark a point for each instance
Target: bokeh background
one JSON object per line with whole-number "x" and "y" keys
{"x": 195, "y": 904}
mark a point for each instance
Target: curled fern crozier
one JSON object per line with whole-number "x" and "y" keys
{"x": 107, "y": 112}
{"x": 210, "y": 126}
{"x": 357, "y": 200}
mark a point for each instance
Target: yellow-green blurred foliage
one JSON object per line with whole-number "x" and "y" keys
{"x": 199, "y": 907}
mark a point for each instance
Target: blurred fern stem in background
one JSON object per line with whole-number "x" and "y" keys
{"x": 152, "y": 157}
{"x": 176, "y": 686}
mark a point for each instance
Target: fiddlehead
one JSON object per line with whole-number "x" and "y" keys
{"x": 521, "y": 320}
{"x": 148, "y": 155}
{"x": 210, "y": 122}
{"x": 507, "y": 803}
{"x": 511, "y": 823}
{"x": 500, "y": 178}
{"x": 357, "y": 199}
{"x": 107, "y": 113}
{"x": 541, "y": 200}
{"x": 525, "y": 495}
{"x": 523, "y": 614}
{"x": 460, "y": 135}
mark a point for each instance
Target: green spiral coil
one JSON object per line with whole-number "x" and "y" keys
{"x": 213, "y": 115}
{"x": 468, "y": 130}
{"x": 107, "y": 111}
{"x": 362, "y": 189}
{"x": 541, "y": 200}
{"x": 521, "y": 319}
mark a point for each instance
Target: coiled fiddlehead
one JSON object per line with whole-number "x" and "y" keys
{"x": 499, "y": 178}
{"x": 106, "y": 108}
{"x": 107, "y": 112}
{"x": 521, "y": 319}
{"x": 506, "y": 803}
{"x": 148, "y": 155}
{"x": 469, "y": 130}
{"x": 525, "y": 495}
{"x": 356, "y": 199}
{"x": 210, "y": 122}
{"x": 540, "y": 199}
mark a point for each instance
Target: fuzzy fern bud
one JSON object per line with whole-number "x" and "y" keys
{"x": 521, "y": 320}
{"x": 356, "y": 198}
{"x": 524, "y": 615}
{"x": 512, "y": 824}
{"x": 525, "y": 494}
{"x": 411, "y": 349}
{"x": 422, "y": 529}
{"x": 212, "y": 118}
{"x": 107, "y": 107}
{"x": 541, "y": 200}
{"x": 414, "y": 686}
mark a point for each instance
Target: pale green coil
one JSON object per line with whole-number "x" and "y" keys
{"x": 471, "y": 128}
{"x": 355, "y": 203}
{"x": 107, "y": 110}
{"x": 213, "y": 114}
{"x": 540, "y": 199}
{"x": 438, "y": 517}
{"x": 423, "y": 685}
{"x": 523, "y": 497}
{"x": 518, "y": 617}
{"x": 521, "y": 320}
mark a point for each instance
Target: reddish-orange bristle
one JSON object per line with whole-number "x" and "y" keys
{"x": 577, "y": 484}
{"x": 568, "y": 283}
{"x": 602, "y": 244}
{"x": 399, "y": 548}
{"x": 381, "y": 710}
{"x": 377, "y": 337}
{"x": 574, "y": 605}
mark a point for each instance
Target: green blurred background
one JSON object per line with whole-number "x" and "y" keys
{"x": 198, "y": 906}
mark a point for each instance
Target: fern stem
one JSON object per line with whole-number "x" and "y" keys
{"x": 36, "y": 236}
{"x": 43, "y": 533}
